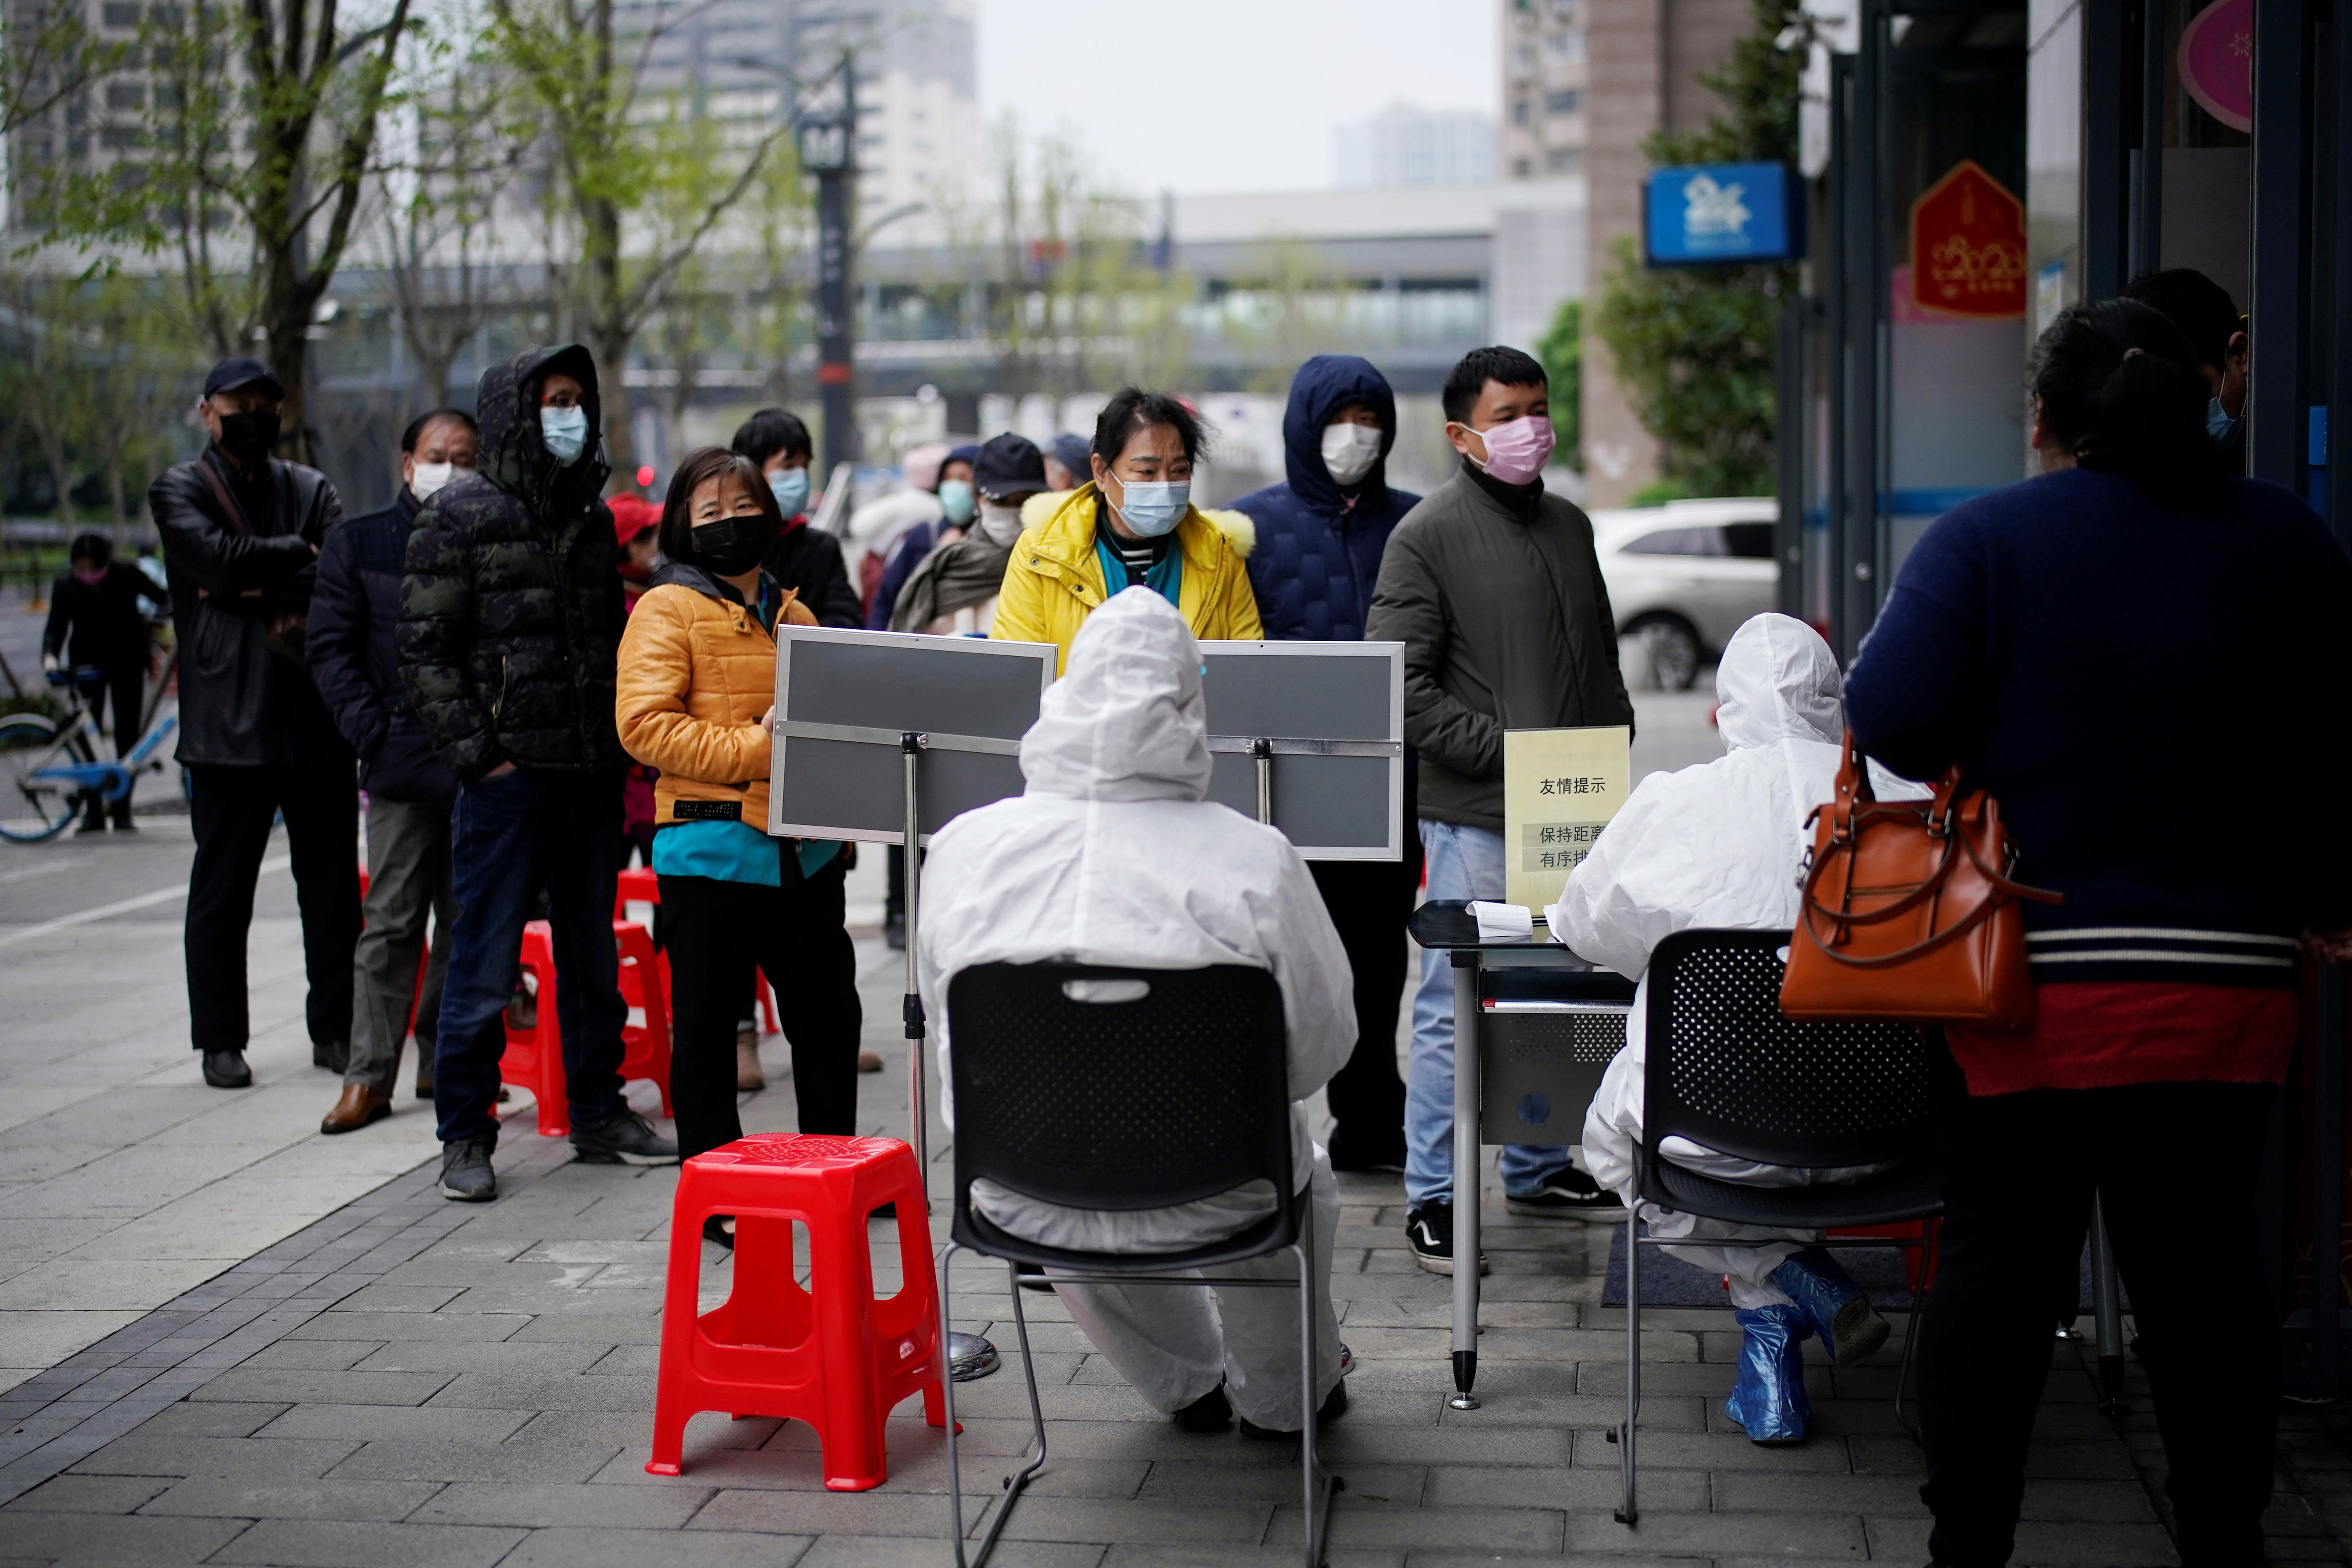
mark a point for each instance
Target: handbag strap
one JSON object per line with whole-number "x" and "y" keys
{"x": 235, "y": 518}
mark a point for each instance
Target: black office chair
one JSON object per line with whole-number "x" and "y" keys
{"x": 1121, "y": 1089}
{"x": 1726, "y": 1071}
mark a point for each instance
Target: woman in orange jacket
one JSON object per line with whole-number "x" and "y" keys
{"x": 698, "y": 676}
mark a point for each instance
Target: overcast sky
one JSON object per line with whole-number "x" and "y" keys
{"x": 1227, "y": 95}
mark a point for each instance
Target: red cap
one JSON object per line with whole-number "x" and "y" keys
{"x": 632, "y": 516}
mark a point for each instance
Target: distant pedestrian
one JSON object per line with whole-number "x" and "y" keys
{"x": 241, "y": 535}
{"x": 1133, "y": 523}
{"x": 2053, "y": 639}
{"x": 2209, "y": 319}
{"x": 509, "y": 620}
{"x": 1492, "y": 585}
{"x": 805, "y": 560}
{"x": 698, "y": 684}
{"x": 98, "y": 637}
{"x": 954, "y": 591}
{"x": 355, "y": 616}
{"x": 637, "y": 529}
{"x": 1065, "y": 462}
{"x": 1320, "y": 537}
{"x": 958, "y": 504}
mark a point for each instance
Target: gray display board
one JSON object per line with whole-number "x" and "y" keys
{"x": 845, "y": 698}
{"x": 1335, "y": 714}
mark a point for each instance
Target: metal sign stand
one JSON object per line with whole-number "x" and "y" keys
{"x": 919, "y": 1125}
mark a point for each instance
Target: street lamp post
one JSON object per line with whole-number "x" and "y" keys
{"x": 828, "y": 148}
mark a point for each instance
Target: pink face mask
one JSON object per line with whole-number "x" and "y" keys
{"x": 89, "y": 577}
{"x": 1517, "y": 448}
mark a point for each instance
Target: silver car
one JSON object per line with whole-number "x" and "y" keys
{"x": 1685, "y": 575}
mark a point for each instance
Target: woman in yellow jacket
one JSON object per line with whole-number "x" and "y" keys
{"x": 698, "y": 678}
{"x": 1134, "y": 526}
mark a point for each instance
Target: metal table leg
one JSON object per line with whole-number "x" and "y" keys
{"x": 1466, "y": 1178}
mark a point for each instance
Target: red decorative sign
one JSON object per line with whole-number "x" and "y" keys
{"x": 2217, "y": 62}
{"x": 1968, "y": 247}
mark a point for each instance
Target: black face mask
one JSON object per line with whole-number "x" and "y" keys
{"x": 248, "y": 437}
{"x": 732, "y": 546}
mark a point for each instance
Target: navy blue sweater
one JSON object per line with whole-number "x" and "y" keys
{"x": 2151, "y": 687}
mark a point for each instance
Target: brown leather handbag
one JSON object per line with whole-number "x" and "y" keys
{"x": 1909, "y": 912}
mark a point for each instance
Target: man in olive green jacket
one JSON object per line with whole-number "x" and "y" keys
{"x": 1493, "y": 587}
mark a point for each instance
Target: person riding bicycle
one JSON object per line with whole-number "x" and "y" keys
{"x": 97, "y": 638}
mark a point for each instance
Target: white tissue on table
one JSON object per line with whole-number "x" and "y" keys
{"x": 1502, "y": 922}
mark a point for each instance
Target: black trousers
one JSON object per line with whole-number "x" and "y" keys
{"x": 716, "y": 931}
{"x": 231, "y": 811}
{"x": 1370, "y": 901}
{"x": 125, "y": 688}
{"x": 2018, "y": 1174}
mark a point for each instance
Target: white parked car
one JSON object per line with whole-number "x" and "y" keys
{"x": 1685, "y": 575}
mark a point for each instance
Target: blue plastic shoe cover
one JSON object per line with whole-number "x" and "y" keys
{"x": 1835, "y": 1307}
{"x": 1768, "y": 1398}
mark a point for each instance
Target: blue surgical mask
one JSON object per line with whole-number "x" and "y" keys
{"x": 791, "y": 487}
{"x": 1152, "y": 510}
{"x": 565, "y": 431}
{"x": 956, "y": 500}
{"x": 2219, "y": 424}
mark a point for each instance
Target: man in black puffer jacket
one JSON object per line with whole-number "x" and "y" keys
{"x": 241, "y": 533}
{"x": 509, "y": 623}
{"x": 354, "y": 613}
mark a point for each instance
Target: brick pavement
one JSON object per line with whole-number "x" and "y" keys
{"x": 413, "y": 1382}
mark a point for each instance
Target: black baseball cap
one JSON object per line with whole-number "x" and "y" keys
{"x": 1072, "y": 450}
{"x": 1008, "y": 465}
{"x": 232, "y": 374}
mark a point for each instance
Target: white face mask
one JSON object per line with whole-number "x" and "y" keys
{"x": 1002, "y": 524}
{"x": 429, "y": 477}
{"x": 1350, "y": 450}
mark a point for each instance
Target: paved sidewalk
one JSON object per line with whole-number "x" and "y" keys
{"x": 409, "y": 1380}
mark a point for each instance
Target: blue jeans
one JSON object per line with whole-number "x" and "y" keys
{"x": 511, "y": 837}
{"x": 1464, "y": 863}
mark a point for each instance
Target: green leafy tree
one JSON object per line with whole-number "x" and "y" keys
{"x": 1693, "y": 345}
{"x": 1560, "y": 351}
{"x": 637, "y": 184}
{"x": 242, "y": 169}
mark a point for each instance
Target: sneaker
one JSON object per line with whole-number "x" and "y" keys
{"x": 1210, "y": 1412}
{"x": 1429, "y": 1231}
{"x": 1334, "y": 1404}
{"x": 466, "y": 1173}
{"x": 1568, "y": 1194}
{"x": 624, "y": 1139}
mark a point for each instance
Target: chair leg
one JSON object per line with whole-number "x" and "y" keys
{"x": 1020, "y": 1478}
{"x": 1314, "y": 1524}
{"x": 1911, "y": 1333}
{"x": 2107, "y": 1312}
{"x": 1628, "y": 1514}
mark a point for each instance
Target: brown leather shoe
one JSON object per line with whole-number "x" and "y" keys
{"x": 748, "y": 1075}
{"x": 870, "y": 1061}
{"x": 359, "y": 1106}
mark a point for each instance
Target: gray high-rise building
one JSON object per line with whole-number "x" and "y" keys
{"x": 1404, "y": 145}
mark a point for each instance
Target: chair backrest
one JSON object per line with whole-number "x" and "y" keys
{"x": 1118, "y": 1089}
{"x": 1728, "y": 1071}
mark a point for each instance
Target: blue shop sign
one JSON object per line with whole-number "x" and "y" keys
{"x": 1702, "y": 213}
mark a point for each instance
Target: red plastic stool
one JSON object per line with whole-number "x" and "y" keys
{"x": 535, "y": 1056}
{"x": 832, "y": 1356}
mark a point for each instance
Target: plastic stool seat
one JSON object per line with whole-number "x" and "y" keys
{"x": 833, "y": 1355}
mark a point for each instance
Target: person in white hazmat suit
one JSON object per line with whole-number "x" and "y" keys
{"x": 1114, "y": 855}
{"x": 1720, "y": 844}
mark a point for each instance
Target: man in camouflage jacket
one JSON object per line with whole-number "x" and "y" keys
{"x": 509, "y": 622}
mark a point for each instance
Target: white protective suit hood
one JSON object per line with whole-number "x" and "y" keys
{"x": 1128, "y": 721}
{"x": 1778, "y": 681}
{"x": 1115, "y": 856}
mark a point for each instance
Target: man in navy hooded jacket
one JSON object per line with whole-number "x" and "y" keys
{"x": 1319, "y": 539}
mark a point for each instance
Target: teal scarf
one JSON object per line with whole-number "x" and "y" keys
{"x": 1166, "y": 577}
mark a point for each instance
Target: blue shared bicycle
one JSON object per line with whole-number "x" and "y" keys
{"x": 50, "y": 768}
